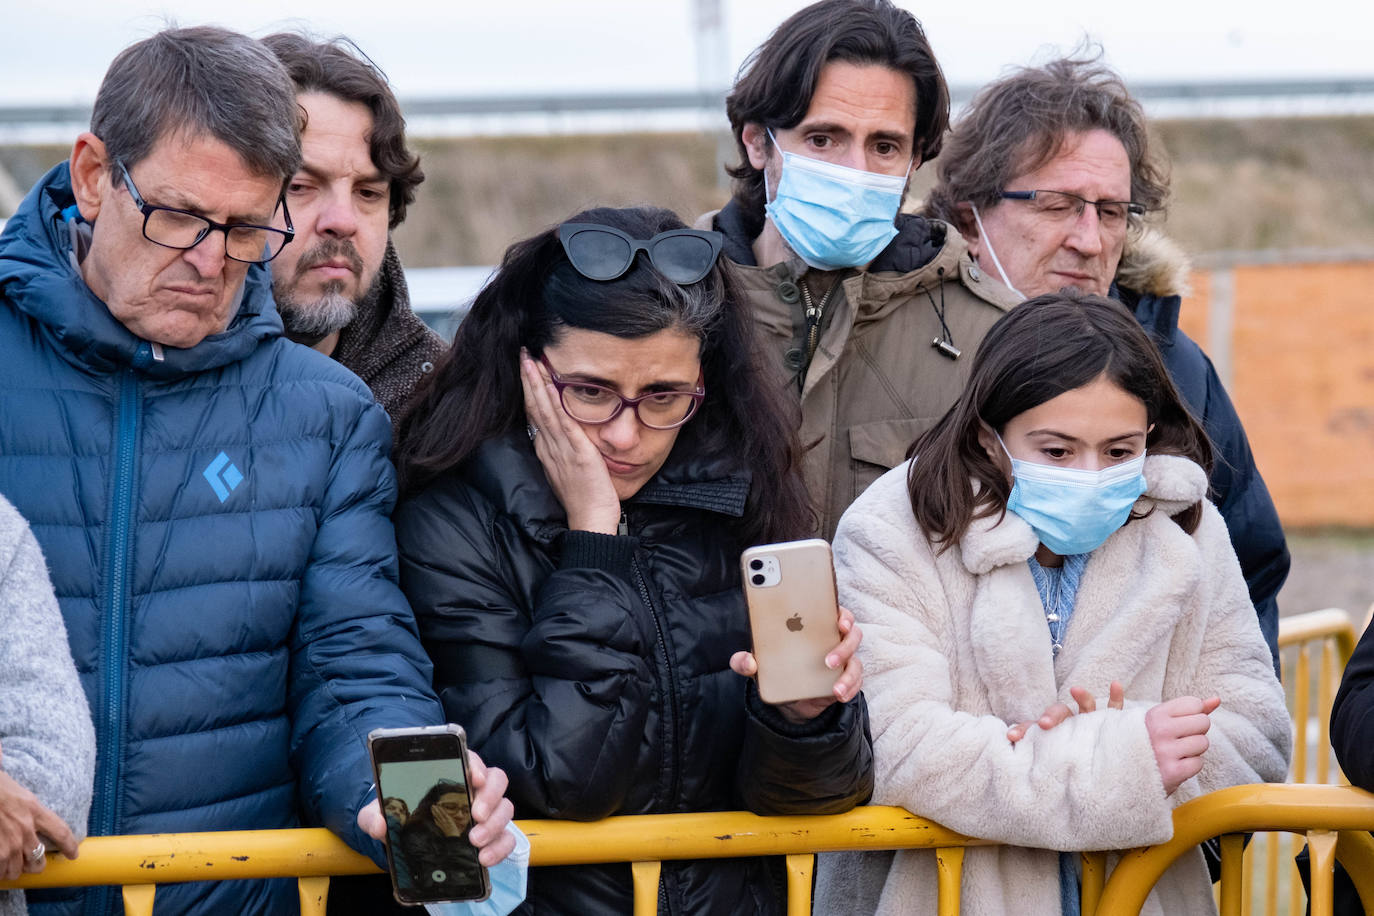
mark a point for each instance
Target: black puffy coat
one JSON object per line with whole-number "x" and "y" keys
{"x": 594, "y": 669}
{"x": 1352, "y": 715}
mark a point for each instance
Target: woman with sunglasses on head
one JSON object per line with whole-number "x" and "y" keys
{"x": 1060, "y": 647}
{"x": 583, "y": 469}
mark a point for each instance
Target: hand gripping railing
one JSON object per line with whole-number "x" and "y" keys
{"x": 1334, "y": 819}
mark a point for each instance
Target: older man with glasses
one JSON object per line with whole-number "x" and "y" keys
{"x": 213, "y": 500}
{"x": 1050, "y": 176}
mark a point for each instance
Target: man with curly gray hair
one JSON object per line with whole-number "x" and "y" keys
{"x": 1051, "y": 176}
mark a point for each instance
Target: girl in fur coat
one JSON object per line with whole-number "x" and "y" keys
{"x": 1052, "y": 545}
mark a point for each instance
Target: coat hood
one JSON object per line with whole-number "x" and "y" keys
{"x": 1172, "y": 484}
{"x": 38, "y": 274}
{"x": 1153, "y": 264}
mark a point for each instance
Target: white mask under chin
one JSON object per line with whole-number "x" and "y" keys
{"x": 987, "y": 243}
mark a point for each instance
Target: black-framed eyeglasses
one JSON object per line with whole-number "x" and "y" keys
{"x": 605, "y": 253}
{"x": 588, "y": 402}
{"x": 1061, "y": 205}
{"x": 182, "y": 229}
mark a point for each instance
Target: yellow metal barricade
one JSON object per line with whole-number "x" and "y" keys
{"x": 1314, "y": 648}
{"x": 1334, "y": 817}
{"x": 138, "y": 863}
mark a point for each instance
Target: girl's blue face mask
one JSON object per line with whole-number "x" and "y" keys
{"x": 833, "y": 216}
{"x": 1074, "y": 511}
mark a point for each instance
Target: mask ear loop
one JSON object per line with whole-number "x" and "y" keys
{"x": 993, "y": 254}
{"x": 766, "y": 195}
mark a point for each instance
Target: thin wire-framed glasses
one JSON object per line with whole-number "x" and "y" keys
{"x": 182, "y": 229}
{"x": 1061, "y": 206}
{"x": 588, "y": 402}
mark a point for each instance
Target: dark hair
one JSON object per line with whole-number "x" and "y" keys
{"x": 200, "y": 81}
{"x": 395, "y": 798}
{"x": 1039, "y": 350}
{"x": 341, "y": 69}
{"x": 474, "y": 392}
{"x": 423, "y": 811}
{"x": 778, "y": 79}
{"x": 1018, "y": 123}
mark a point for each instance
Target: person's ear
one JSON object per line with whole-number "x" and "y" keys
{"x": 963, "y": 221}
{"x": 987, "y": 438}
{"x": 756, "y": 144}
{"x": 90, "y": 168}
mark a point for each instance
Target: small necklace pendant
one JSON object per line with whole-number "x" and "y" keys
{"x": 1054, "y": 651}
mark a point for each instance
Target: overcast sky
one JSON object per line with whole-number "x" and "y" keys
{"x": 57, "y": 53}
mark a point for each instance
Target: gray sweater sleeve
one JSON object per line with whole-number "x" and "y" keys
{"x": 47, "y": 743}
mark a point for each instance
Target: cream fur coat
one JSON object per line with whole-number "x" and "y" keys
{"x": 956, "y": 649}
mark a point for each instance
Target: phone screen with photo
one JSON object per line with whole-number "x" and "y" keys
{"x": 422, "y": 785}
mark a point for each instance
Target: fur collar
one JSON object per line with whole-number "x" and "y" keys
{"x": 1153, "y": 264}
{"x": 1172, "y": 484}
{"x": 1135, "y": 588}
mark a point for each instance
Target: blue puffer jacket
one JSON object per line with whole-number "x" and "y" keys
{"x": 217, "y": 523}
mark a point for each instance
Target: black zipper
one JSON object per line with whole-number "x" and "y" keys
{"x": 815, "y": 315}
{"x": 670, "y": 708}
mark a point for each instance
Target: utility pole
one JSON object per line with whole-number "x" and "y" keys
{"x": 714, "y": 74}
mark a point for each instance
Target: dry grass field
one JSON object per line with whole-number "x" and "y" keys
{"x": 1238, "y": 184}
{"x": 1254, "y": 184}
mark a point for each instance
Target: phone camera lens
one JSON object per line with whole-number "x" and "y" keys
{"x": 756, "y": 565}
{"x": 757, "y": 580}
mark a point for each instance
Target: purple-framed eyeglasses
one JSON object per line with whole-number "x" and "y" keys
{"x": 588, "y": 402}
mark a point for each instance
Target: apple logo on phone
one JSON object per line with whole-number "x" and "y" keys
{"x": 794, "y": 623}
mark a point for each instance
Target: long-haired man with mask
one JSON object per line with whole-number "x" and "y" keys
{"x": 872, "y": 314}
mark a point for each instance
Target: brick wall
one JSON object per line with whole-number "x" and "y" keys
{"x": 1295, "y": 344}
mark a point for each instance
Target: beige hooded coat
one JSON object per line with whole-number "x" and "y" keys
{"x": 956, "y": 649}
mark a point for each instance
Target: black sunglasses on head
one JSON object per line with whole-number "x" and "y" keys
{"x": 605, "y": 253}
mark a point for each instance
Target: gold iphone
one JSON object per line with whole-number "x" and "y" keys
{"x": 794, "y": 618}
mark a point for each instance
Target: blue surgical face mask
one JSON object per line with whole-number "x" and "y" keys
{"x": 833, "y": 216}
{"x": 508, "y": 879}
{"x": 1074, "y": 511}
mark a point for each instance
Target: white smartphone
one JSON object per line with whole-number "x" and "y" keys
{"x": 794, "y": 618}
{"x": 422, "y": 781}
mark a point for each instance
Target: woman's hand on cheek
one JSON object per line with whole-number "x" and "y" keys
{"x": 571, "y": 461}
{"x": 843, "y": 658}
